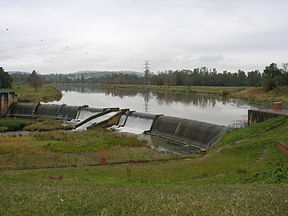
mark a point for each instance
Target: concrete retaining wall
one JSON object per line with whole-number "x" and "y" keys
{"x": 256, "y": 116}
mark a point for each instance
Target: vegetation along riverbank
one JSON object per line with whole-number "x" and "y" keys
{"x": 27, "y": 93}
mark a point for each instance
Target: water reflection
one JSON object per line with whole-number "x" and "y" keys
{"x": 201, "y": 107}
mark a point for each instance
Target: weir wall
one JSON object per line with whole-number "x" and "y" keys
{"x": 199, "y": 133}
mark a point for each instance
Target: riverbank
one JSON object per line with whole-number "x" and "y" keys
{"x": 46, "y": 93}
{"x": 245, "y": 173}
{"x": 258, "y": 95}
{"x": 250, "y": 94}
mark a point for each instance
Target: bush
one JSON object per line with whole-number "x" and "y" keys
{"x": 272, "y": 83}
{"x": 268, "y": 84}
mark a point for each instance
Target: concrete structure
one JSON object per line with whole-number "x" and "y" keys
{"x": 256, "y": 116}
{"x": 7, "y": 97}
{"x": 199, "y": 135}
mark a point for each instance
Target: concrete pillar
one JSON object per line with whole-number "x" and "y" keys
{"x": 6, "y": 99}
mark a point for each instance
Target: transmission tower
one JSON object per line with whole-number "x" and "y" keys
{"x": 146, "y": 73}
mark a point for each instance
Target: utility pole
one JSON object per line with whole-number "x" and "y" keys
{"x": 146, "y": 73}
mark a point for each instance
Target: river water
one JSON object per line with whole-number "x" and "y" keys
{"x": 200, "y": 107}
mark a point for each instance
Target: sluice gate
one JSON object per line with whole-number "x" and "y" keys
{"x": 182, "y": 131}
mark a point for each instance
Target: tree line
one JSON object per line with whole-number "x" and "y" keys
{"x": 270, "y": 78}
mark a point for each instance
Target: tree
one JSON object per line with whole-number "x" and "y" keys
{"x": 35, "y": 80}
{"x": 5, "y": 79}
{"x": 285, "y": 68}
{"x": 272, "y": 77}
{"x": 272, "y": 71}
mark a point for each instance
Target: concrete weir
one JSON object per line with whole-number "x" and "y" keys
{"x": 194, "y": 132}
{"x": 63, "y": 112}
{"x": 184, "y": 131}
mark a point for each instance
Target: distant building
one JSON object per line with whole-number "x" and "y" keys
{"x": 7, "y": 97}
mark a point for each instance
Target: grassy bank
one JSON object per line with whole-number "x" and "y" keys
{"x": 215, "y": 90}
{"x": 250, "y": 94}
{"x": 257, "y": 94}
{"x": 67, "y": 142}
{"x": 46, "y": 93}
{"x": 243, "y": 174}
{"x": 39, "y": 124}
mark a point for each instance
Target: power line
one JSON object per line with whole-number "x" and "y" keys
{"x": 146, "y": 73}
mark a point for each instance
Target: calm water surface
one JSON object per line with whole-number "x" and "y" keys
{"x": 191, "y": 106}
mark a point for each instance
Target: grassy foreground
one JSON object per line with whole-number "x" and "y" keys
{"x": 46, "y": 93}
{"x": 243, "y": 174}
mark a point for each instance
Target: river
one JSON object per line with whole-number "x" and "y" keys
{"x": 207, "y": 108}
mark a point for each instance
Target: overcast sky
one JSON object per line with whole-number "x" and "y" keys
{"x": 63, "y": 36}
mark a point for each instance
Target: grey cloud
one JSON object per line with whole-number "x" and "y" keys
{"x": 171, "y": 34}
{"x": 211, "y": 58}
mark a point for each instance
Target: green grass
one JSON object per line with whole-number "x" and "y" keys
{"x": 216, "y": 90}
{"x": 46, "y": 93}
{"x": 40, "y": 124}
{"x": 67, "y": 142}
{"x": 85, "y": 141}
{"x": 42, "y": 196}
{"x": 7, "y": 124}
{"x": 243, "y": 174}
{"x": 47, "y": 124}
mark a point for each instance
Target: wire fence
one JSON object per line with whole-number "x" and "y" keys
{"x": 84, "y": 159}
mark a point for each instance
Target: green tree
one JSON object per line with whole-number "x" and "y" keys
{"x": 5, "y": 79}
{"x": 35, "y": 80}
{"x": 272, "y": 71}
{"x": 272, "y": 77}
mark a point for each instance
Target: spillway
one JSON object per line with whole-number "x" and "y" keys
{"x": 47, "y": 110}
{"x": 21, "y": 109}
{"x": 176, "y": 130}
{"x": 67, "y": 112}
{"x": 87, "y": 112}
{"x": 138, "y": 123}
{"x": 194, "y": 132}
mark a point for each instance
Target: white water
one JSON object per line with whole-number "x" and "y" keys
{"x": 96, "y": 121}
{"x": 136, "y": 125}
